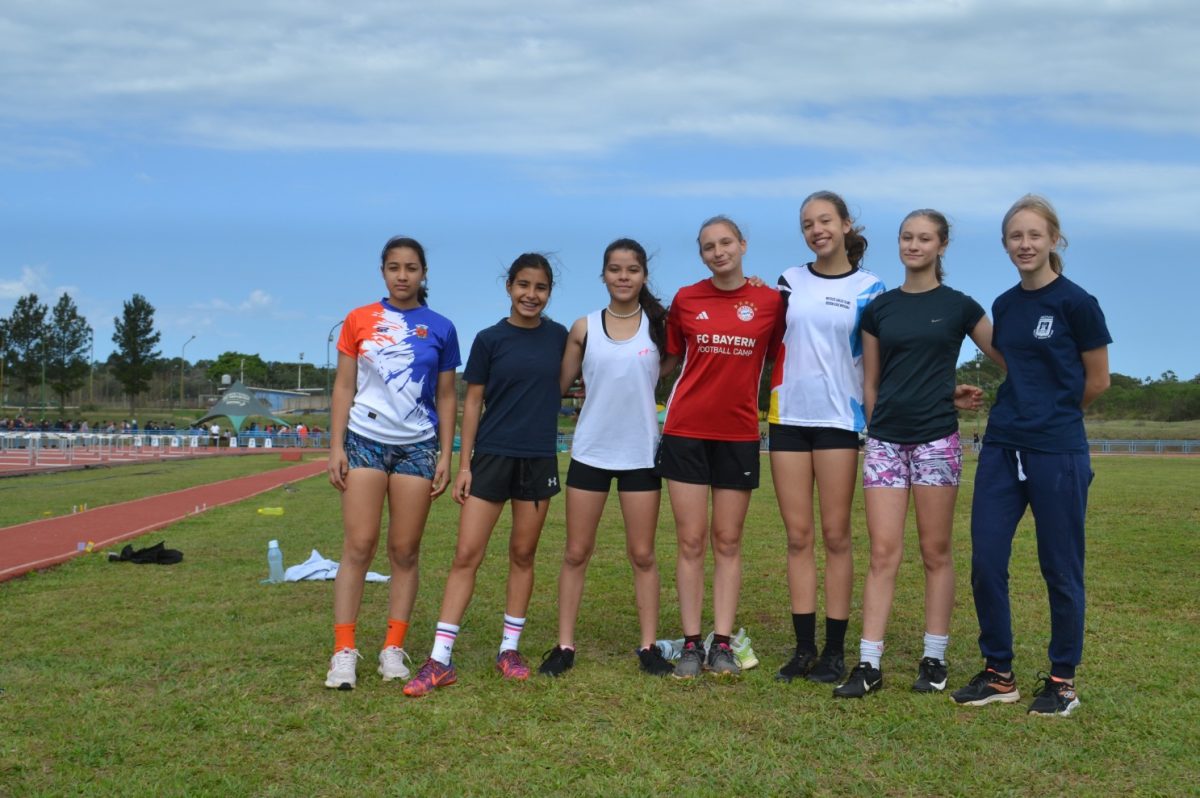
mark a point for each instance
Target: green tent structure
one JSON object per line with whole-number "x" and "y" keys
{"x": 237, "y": 405}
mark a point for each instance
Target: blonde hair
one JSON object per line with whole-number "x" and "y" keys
{"x": 1042, "y": 207}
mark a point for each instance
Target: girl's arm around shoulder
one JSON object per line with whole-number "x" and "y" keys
{"x": 981, "y": 334}
{"x": 572, "y": 361}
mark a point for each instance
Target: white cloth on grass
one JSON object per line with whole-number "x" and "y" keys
{"x": 316, "y": 568}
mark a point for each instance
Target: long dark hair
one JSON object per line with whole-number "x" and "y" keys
{"x": 396, "y": 242}
{"x": 652, "y": 306}
{"x": 856, "y": 242}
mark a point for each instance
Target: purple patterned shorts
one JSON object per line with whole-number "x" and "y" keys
{"x": 935, "y": 464}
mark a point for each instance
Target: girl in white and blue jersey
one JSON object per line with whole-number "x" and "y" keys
{"x": 816, "y": 416}
{"x": 391, "y": 434}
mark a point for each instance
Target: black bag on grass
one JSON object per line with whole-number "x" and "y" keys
{"x": 158, "y": 554}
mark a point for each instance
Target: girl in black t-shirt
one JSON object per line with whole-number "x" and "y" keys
{"x": 912, "y": 336}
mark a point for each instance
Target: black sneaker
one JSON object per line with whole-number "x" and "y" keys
{"x": 799, "y": 665}
{"x": 863, "y": 679}
{"x": 1053, "y": 697}
{"x": 557, "y": 661}
{"x": 931, "y": 676}
{"x": 721, "y": 661}
{"x": 830, "y": 668}
{"x": 987, "y": 686}
{"x": 653, "y": 662}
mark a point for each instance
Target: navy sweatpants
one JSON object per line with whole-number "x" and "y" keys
{"x": 1055, "y": 488}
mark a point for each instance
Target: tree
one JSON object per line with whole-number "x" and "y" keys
{"x": 237, "y": 364}
{"x": 135, "y": 337}
{"x": 24, "y": 341}
{"x": 68, "y": 338}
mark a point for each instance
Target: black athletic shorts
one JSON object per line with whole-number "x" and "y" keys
{"x": 497, "y": 478}
{"x": 788, "y": 438}
{"x": 701, "y": 461}
{"x": 585, "y": 477}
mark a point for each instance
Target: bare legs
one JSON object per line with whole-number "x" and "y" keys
{"x": 834, "y": 472}
{"x": 475, "y": 524}
{"x": 408, "y": 501}
{"x": 886, "y": 512}
{"x": 689, "y": 504}
{"x": 639, "y": 509}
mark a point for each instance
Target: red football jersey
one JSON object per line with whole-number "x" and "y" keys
{"x": 725, "y": 338}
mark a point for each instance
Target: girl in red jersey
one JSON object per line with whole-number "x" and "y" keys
{"x": 391, "y": 433}
{"x": 725, "y": 330}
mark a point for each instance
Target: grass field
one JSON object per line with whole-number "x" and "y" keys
{"x": 197, "y": 680}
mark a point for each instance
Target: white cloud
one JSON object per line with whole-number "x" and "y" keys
{"x": 257, "y": 301}
{"x": 554, "y": 77}
{"x": 1149, "y": 195}
{"x": 31, "y": 281}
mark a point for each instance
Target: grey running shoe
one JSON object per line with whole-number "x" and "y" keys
{"x": 691, "y": 662}
{"x": 722, "y": 661}
{"x": 931, "y": 676}
{"x": 1053, "y": 697}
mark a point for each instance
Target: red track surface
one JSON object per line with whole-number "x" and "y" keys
{"x": 40, "y": 544}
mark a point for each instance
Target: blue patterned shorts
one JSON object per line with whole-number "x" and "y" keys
{"x": 935, "y": 464}
{"x": 408, "y": 459}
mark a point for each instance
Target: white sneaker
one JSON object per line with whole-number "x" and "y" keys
{"x": 741, "y": 649}
{"x": 391, "y": 663}
{"x": 343, "y": 669}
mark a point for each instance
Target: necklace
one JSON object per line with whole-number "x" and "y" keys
{"x": 628, "y": 315}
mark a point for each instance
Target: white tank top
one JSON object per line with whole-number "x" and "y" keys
{"x": 618, "y": 425}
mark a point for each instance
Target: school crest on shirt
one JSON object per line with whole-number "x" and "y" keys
{"x": 421, "y": 330}
{"x": 746, "y": 310}
{"x": 1044, "y": 328}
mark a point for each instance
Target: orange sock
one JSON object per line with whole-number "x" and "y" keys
{"x": 343, "y": 636}
{"x": 395, "y": 633}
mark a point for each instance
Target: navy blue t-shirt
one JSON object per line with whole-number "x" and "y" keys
{"x": 920, "y": 337}
{"x": 518, "y": 369}
{"x": 1041, "y": 334}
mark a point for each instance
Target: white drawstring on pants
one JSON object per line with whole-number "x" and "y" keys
{"x": 1020, "y": 470}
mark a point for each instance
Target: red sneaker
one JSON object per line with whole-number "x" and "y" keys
{"x": 512, "y": 665}
{"x": 431, "y": 676}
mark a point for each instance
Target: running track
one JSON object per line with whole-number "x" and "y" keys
{"x": 41, "y": 544}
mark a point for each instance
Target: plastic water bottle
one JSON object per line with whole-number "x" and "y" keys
{"x": 274, "y": 562}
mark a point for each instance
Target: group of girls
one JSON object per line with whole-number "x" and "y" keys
{"x": 848, "y": 357}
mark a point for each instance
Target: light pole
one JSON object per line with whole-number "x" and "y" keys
{"x": 328, "y": 397}
{"x": 299, "y": 366}
{"x": 182, "y": 360}
{"x": 92, "y": 366}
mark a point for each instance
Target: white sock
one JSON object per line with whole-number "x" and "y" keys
{"x": 512, "y": 633}
{"x": 870, "y": 651}
{"x": 443, "y": 642}
{"x": 935, "y": 646}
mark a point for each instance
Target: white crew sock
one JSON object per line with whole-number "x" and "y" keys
{"x": 512, "y": 633}
{"x": 936, "y": 645}
{"x": 443, "y": 642}
{"x": 870, "y": 651}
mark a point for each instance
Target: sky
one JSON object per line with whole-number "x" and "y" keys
{"x": 241, "y": 164}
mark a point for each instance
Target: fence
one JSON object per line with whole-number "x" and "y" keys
{"x": 19, "y": 450}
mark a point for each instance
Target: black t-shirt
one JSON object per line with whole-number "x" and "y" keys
{"x": 920, "y": 337}
{"x": 518, "y": 369}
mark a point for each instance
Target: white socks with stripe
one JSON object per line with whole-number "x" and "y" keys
{"x": 443, "y": 642}
{"x": 512, "y": 633}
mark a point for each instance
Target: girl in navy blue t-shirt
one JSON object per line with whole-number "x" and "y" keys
{"x": 509, "y": 453}
{"x": 1054, "y": 340}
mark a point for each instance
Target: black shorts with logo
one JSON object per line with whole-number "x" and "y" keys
{"x": 701, "y": 461}
{"x": 498, "y": 478}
